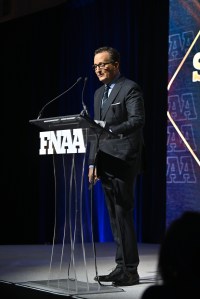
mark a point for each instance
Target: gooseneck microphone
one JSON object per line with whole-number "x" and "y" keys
{"x": 40, "y": 113}
{"x": 84, "y": 111}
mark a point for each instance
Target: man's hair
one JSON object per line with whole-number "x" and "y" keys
{"x": 114, "y": 54}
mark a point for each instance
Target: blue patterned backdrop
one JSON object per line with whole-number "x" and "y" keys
{"x": 183, "y": 154}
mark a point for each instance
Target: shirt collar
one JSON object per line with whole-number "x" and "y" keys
{"x": 112, "y": 83}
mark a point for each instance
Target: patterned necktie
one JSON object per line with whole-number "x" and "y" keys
{"x": 105, "y": 94}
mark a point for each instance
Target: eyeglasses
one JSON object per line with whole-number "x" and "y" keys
{"x": 101, "y": 65}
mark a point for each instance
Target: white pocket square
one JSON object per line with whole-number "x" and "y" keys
{"x": 115, "y": 104}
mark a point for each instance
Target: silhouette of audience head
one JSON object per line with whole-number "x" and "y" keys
{"x": 179, "y": 260}
{"x": 179, "y": 257}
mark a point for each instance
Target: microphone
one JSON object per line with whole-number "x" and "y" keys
{"x": 40, "y": 113}
{"x": 84, "y": 112}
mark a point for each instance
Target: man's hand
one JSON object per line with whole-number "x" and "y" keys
{"x": 92, "y": 175}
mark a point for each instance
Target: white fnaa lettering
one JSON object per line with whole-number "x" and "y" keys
{"x": 62, "y": 142}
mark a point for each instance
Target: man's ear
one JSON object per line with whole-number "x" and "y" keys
{"x": 116, "y": 64}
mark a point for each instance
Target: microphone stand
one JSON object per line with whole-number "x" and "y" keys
{"x": 84, "y": 112}
{"x": 40, "y": 113}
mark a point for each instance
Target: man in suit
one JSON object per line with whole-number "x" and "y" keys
{"x": 119, "y": 105}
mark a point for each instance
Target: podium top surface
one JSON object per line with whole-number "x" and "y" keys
{"x": 71, "y": 122}
{"x": 59, "y": 122}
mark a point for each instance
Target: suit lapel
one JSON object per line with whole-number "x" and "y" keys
{"x": 110, "y": 100}
{"x": 98, "y": 103}
{"x": 112, "y": 96}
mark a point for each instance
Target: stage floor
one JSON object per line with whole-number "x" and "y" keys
{"x": 32, "y": 266}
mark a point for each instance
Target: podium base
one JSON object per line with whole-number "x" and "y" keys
{"x": 69, "y": 287}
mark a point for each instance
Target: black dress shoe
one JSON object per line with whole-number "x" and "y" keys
{"x": 117, "y": 272}
{"x": 126, "y": 279}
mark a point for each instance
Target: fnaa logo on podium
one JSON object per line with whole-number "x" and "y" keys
{"x": 62, "y": 142}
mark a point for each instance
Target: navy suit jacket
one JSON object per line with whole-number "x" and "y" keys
{"x": 124, "y": 114}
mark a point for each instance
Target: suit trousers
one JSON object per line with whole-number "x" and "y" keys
{"x": 118, "y": 180}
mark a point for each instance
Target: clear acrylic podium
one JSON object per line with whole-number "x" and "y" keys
{"x": 67, "y": 138}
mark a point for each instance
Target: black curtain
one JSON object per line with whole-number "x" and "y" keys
{"x": 43, "y": 54}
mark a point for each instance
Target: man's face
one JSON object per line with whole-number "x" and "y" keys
{"x": 105, "y": 69}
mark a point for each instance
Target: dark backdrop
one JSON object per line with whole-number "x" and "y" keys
{"x": 43, "y": 54}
